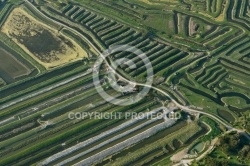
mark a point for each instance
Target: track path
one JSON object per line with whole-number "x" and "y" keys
{"x": 185, "y": 108}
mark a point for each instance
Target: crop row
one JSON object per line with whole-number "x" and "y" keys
{"x": 169, "y": 61}
{"x": 57, "y": 123}
{"x": 208, "y": 73}
{"x": 58, "y": 106}
{"x": 245, "y": 58}
{"x": 72, "y": 128}
{"x": 144, "y": 143}
{"x": 191, "y": 82}
{"x": 179, "y": 66}
{"x": 145, "y": 47}
{"x": 235, "y": 11}
{"x": 217, "y": 79}
{"x": 154, "y": 51}
{"x": 213, "y": 76}
{"x": 105, "y": 29}
{"x": 201, "y": 73}
{"x": 126, "y": 143}
{"x": 237, "y": 66}
{"x": 138, "y": 43}
{"x": 227, "y": 38}
{"x": 199, "y": 30}
{"x": 241, "y": 10}
{"x": 218, "y": 35}
{"x": 150, "y": 51}
{"x": 113, "y": 33}
{"x": 215, "y": 7}
{"x": 197, "y": 67}
{"x": 101, "y": 144}
{"x": 129, "y": 39}
{"x": 60, "y": 95}
{"x": 35, "y": 96}
{"x": 243, "y": 41}
{"x": 40, "y": 81}
{"x": 54, "y": 108}
{"x": 161, "y": 143}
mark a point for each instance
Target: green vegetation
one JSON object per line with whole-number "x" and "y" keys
{"x": 199, "y": 51}
{"x": 215, "y": 129}
{"x": 130, "y": 158}
{"x": 231, "y": 149}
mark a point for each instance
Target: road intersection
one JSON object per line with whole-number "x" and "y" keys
{"x": 185, "y": 108}
{"x": 121, "y": 77}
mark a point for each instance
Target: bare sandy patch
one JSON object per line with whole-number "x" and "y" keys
{"x": 180, "y": 155}
{"x": 152, "y": 2}
{"x": 43, "y": 43}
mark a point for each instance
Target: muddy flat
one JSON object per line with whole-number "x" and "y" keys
{"x": 45, "y": 44}
{"x": 10, "y": 67}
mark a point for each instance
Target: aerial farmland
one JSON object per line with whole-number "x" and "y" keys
{"x": 125, "y": 82}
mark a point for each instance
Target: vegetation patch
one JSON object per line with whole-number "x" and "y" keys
{"x": 11, "y": 68}
{"x": 164, "y": 144}
{"x": 226, "y": 115}
{"x": 197, "y": 148}
{"x": 231, "y": 149}
{"x": 235, "y": 101}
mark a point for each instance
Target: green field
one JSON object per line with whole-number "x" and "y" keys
{"x": 199, "y": 51}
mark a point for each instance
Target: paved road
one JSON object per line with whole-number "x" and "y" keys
{"x": 230, "y": 128}
{"x": 140, "y": 84}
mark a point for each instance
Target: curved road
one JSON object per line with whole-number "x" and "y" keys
{"x": 135, "y": 83}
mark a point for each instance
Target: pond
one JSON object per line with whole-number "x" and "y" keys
{"x": 197, "y": 148}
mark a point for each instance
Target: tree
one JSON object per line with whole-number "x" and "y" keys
{"x": 243, "y": 153}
